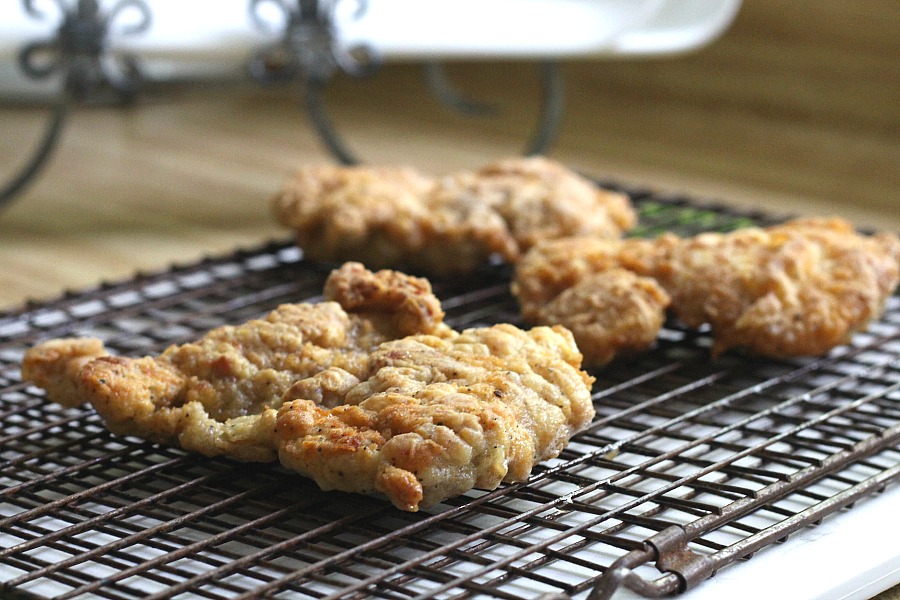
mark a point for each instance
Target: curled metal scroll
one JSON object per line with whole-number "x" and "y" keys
{"x": 551, "y": 107}
{"x": 309, "y": 51}
{"x": 78, "y": 55}
{"x": 446, "y": 93}
{"x": 551, "y": 111}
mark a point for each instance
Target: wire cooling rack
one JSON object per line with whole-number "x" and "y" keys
{"x": 689, "y": 466}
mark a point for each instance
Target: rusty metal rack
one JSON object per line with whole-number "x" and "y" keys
{"x": 689, "y": 466}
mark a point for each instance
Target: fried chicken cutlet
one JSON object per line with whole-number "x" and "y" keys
{"x": 799, "y": 288}
{"x": 450, "y": 225}
{"x": 368, "y": 391}
{"x": 592, "y": 287}
{"x": 610, "y": 314}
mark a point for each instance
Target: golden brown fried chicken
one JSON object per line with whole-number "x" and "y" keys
{"x": 800, "y": 288}
{"x": 55, "y": 365}
{"x": 438, "y": 416}
{"x": 591, "y": 287}
{"x": 396, "y": 216}
{"x": 539, "y": 199}
{"x": 554, "y": 266}
{"x": 368, "y": 391}
{"x": 397, "y": 303}
{"x": 214, "y": 395}
{"x": 380, "y": 216}
{"x": 612, "y": 313}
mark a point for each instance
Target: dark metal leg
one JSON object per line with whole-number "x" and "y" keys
{"x": 552, "y": 108}
{"x": 76, "y": 54}
{"x": 40, "y": 157}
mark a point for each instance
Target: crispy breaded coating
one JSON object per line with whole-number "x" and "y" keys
{"x": 367, "y": 391}
{"x": 400, "y": 304}
{"x": 55, "y": 365}
{"x": 380, "y": 216}
{"x": 554, "y": 266}
{"x": 591, "y": 286}
{"x": 800, "y": 288}
{"x": 399, "y": 217}
{"x": 540, "y": 199}
{"x": 436, "y": 417}
{"x": 612, "y": 313}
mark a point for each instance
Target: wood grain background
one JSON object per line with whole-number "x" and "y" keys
{"x": 794, "y": 109}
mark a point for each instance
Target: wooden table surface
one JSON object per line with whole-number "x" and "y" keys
{"x": 793, "y": 110}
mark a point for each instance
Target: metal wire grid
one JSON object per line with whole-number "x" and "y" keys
{"x": 690, "y": 465}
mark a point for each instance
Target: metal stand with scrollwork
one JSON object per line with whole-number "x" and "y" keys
{"x": 77, "y": 55}
{"x": 308, "y": 50}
